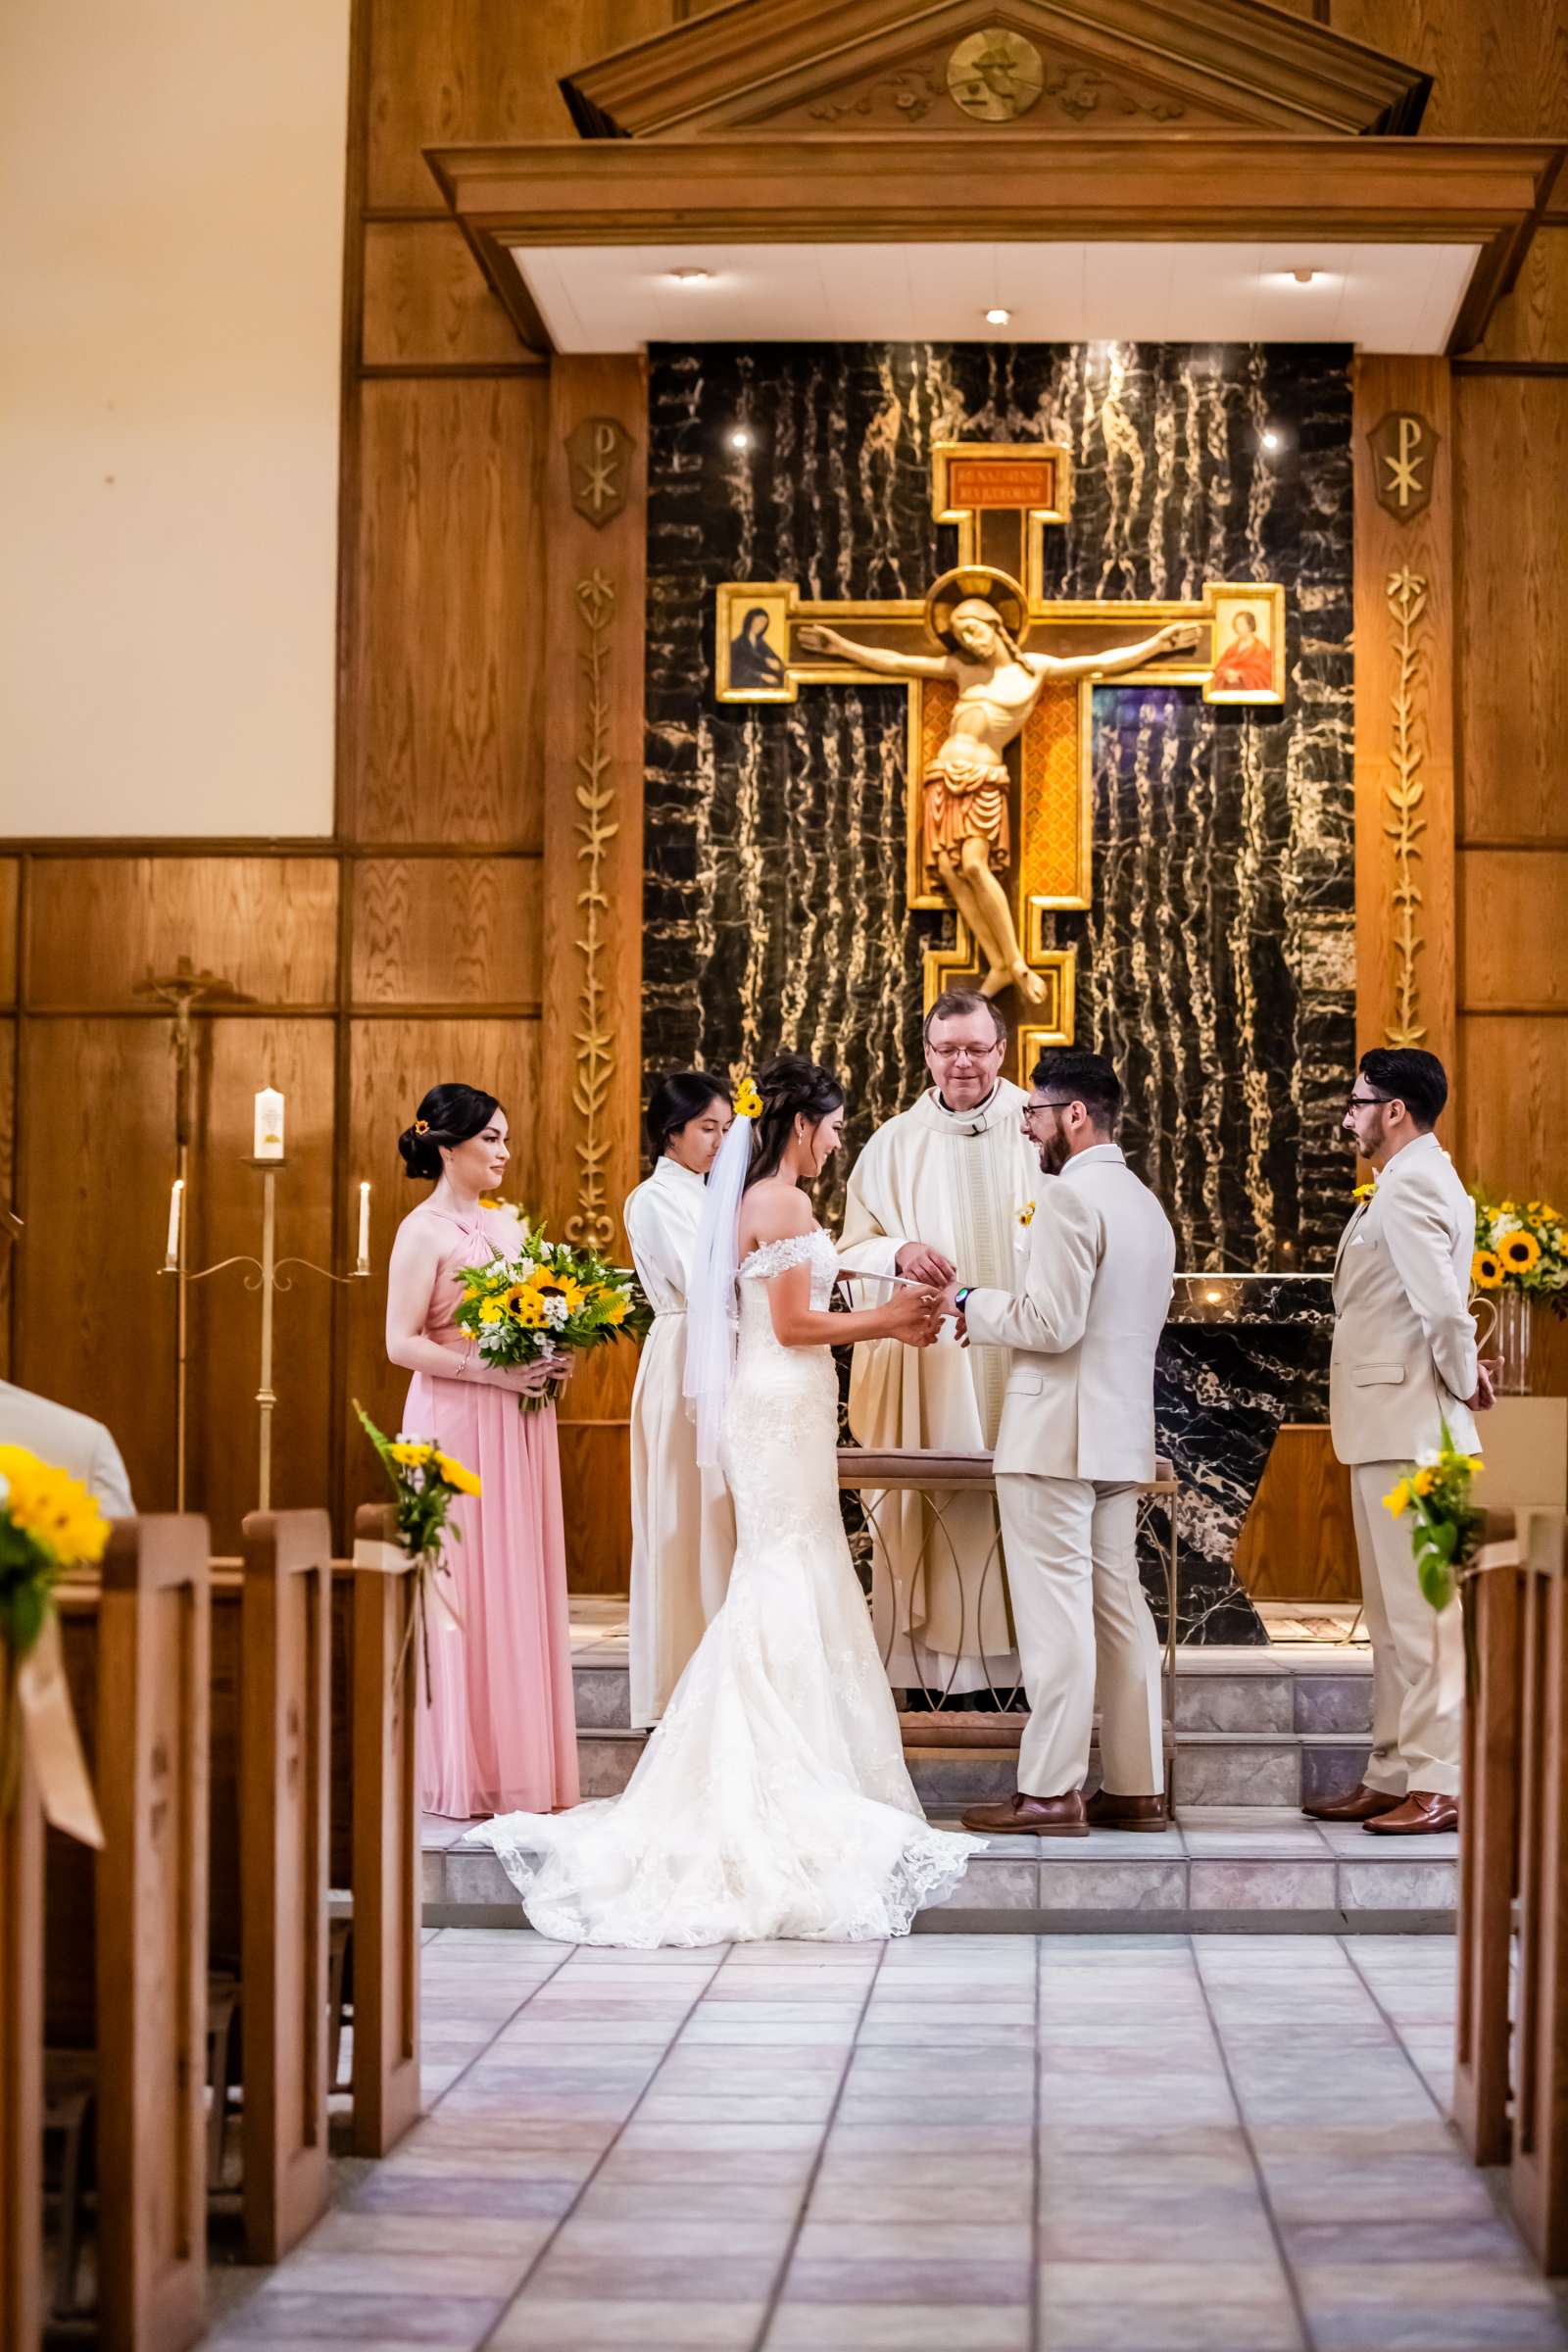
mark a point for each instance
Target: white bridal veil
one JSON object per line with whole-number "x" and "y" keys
{"x": 711, "y": 1310}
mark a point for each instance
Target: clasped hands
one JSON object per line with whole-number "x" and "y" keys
{"x": 918, "y": 1263}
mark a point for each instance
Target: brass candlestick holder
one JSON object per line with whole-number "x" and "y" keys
{"x": 268, "y": 1276}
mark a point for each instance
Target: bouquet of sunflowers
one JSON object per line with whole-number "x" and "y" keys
{"x": 1444, "y": 1524}
{"x": 545, "y": 1299}
{"x": 1521, "y": 1247}
{"x": 425, "y": 1483}
{"x": 49, "y": 1524}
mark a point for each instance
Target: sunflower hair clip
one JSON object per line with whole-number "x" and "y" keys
{"x": 422, "y": 1126}
{"x": 748, "y": 1104}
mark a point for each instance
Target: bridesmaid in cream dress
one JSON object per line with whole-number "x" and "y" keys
{"x": 682, "y": 1524}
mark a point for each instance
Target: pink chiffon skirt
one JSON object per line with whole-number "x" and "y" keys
{"x": 499, "y": 1733}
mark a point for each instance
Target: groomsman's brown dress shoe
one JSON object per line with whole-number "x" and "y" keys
{"x": 1424, "y": 1814}
{"x": 1031, "y": 1816}
{"x": 1108, "y": 1811}
{"x": 1362, "y": 1805}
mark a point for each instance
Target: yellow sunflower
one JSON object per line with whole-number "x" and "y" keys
{"x": 1398, "y": 1498}
{"x": 456, "y": 1474}
{"x": 1423, "y": 1482}
{"x": 550, "y": 1284}
{"x": 526, "y": 1307}
{"x": 51, "y": 1506}
{"x": 1519, "y": 1252}
{"x": 412, "y": 1456}
{"x": 1486, "y": 1269}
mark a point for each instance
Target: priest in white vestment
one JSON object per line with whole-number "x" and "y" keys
{"x": 947, "y": 1183}
{"x": 682, "y": 1522}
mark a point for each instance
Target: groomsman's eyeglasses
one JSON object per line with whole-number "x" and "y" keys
{"x": 1365, "y": 1102}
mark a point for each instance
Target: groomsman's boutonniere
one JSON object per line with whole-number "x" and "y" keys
{"x": 1026, "y": 1214}
{"x": 1365, "y": 1191}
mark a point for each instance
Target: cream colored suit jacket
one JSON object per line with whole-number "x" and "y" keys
{"x": 1084, "y": 1328}
{"x": 71, "y": 1441}
{"x": 1404, "y": 1342}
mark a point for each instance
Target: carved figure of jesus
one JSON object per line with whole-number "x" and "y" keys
{"x": 967, "y": 843}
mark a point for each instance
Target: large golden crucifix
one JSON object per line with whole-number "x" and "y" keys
{"x": 1001, "y": 683}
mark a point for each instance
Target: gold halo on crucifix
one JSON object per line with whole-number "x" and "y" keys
{"x": 971, "y": 583}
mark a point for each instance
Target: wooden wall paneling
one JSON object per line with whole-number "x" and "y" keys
{"x": 1512, "y": 1135}
{"x": 1513, "y": 932}
{"x": 446, "y": 931}
{"x": 1501, "y": 66}
{"x": 1411, "y": 658}
{"x": 95, "y": 1322}
{"x": 1532, "y": 322}
{"x": 9, "y": 1243}
{"x": 1512, "y": 437}
{"x": 10, "y": 897}
{"x": 426, "y": 303}
{"x": 593, "y": 902}
{"x": 477, "y": 71}
{"x": 235, "y": 1058}
{"x": 392, "y": 1063}
{"x": 98, "y": 926}
{"x": 448, "y": 647}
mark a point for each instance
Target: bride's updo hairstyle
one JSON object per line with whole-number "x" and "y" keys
{"x": 791, "y": 1088}
{"x": 450, "y": 1115}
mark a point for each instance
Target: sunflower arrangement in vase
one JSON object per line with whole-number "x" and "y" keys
{"x": 547, "y": 1298}
{"x": 1521, "y": 1255}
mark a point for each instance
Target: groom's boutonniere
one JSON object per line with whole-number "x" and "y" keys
{"x": 1026, "y": 1215}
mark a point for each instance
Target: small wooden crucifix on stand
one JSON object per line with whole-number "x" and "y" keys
{"x": 1001, "y": 682}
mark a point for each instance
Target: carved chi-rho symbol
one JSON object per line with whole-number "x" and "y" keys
{"x": 1405, "y": 451}
{"x": 598, "y": 451}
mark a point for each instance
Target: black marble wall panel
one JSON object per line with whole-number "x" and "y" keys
{"x": 1217, "y": 962}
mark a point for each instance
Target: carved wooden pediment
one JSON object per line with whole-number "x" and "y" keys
{"x": 836, "y": 68}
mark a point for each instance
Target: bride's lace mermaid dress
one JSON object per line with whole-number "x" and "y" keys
{"x": 773, "y": 1800}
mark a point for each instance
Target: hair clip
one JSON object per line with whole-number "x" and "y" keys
{"x": 748, "y": 1102}
{"x": 422, "y": 1126}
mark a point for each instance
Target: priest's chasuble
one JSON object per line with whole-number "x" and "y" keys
{"x": 962, "y": 1183}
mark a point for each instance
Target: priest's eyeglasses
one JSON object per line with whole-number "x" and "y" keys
{"x": 967, "y": 1052}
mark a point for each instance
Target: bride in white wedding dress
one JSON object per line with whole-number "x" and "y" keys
{"x": 773, "y": 1800}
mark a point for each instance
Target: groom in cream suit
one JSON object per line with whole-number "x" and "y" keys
{"x": 1076, "y": 1439}
{"x": 1403, "y": 1363}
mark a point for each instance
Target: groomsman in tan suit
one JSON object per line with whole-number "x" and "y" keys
{"x": 1404, "y": 1361}
{"x": 1076, "y": 1440}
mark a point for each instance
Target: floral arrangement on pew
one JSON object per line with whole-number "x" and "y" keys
{"x": 426, "y": 1484}
{"x": 1521, "y": 1249}
{"x": 1444, "y": 1525}
{"x": 49, "y": 1524}
{"x": 546, "y": 1297}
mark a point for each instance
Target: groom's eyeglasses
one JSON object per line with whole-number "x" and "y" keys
{"x": 1365, "y": 1102}
{"x": 1031, "y": 1111}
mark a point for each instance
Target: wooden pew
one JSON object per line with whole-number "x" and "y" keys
{"x": 267, "y": 1933}
{"x": 20, "y": 2050}
{"x": 126, "y": 1929}
{"x": 1493, "y": 1604}
{"x": 375, "y": 1825}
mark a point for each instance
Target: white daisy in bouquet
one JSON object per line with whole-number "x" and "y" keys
{"x": 544, "y": 1299}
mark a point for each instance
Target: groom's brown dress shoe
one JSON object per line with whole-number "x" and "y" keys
{"x": 1362, "y": 1805}
{"x": 1106, "y": 1810}
{"x": 1425, "y": 1813}
{"x": 1031, "y": 1816}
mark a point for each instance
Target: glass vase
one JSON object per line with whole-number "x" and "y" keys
{"x": 1511, "y": 1344}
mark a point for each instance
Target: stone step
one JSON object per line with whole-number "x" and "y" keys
{"x": 1219, "y": 1870}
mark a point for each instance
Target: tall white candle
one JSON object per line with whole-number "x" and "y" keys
{"x": 363, "y": 1264}
{"x": 268, "y": 1124}
{"x": 175, "y": 1196}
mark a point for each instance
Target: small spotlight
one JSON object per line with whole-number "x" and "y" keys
{"x": 999, "y": 317}
{"x": 1271, "y": 437}
{"x": 691, "y": 278}
{"x": 742, "y": 437}
{"x": 1303, "y": 277}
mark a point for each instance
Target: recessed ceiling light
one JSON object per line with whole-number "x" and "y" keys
{"x": 998, "y": 318}
{"x": 741, "y": 437}
{"x": 691, "y": 278}
{"x": 1303, "y": 277}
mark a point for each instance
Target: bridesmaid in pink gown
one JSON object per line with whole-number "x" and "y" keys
{"x": 500, "y": 1733}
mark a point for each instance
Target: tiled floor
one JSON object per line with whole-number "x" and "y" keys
{"x": 950, "y": 2144}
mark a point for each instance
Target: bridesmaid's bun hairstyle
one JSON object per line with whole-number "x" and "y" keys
{"x": 791, "y": 1088}
{"x": 684, "y": 1095}
{"x": 450, "y": 1115}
